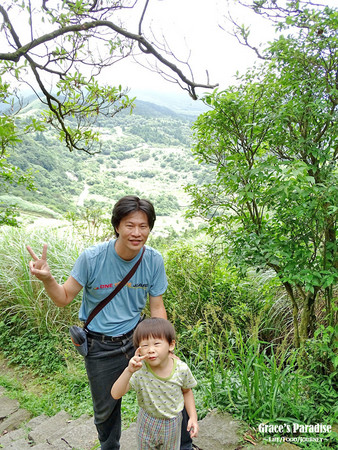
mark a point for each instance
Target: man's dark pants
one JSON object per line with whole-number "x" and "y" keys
{"x": 104, "y": 364}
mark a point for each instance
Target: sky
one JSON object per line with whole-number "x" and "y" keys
{"x": 194, "y": 26}
{"x": 192, "y": 30}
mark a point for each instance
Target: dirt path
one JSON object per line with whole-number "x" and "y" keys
{"x": 83, "y": 195}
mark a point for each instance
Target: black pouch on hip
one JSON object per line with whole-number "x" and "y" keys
{"x": 79, "y": 339}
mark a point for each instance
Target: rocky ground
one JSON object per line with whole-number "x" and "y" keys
{"x": 18, "y": 431}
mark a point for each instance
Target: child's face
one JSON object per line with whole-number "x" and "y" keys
{"x": 157, "y": 350}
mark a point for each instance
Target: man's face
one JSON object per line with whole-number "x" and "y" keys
{"x": 133, "y": 233}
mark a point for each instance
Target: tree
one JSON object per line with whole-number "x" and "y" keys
{"x": 58, "y": 49}
{"x": 69, "y": 44}
{"x": 272, "y": 141}
{"x": 10, "y": 174}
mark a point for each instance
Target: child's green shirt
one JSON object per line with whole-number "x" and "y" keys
{"x": 162, "y": 397}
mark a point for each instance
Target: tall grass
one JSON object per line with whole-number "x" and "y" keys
{"x": 203, "y": 292}
{"x": 32, "y": 329}
{"x": 255, "y": 380}
{"x": 23, "y": 296}
{"x": 262, "y": 383}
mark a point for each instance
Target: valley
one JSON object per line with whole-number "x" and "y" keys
{"x": 147, "y": 153}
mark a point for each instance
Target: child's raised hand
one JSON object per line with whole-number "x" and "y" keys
{"x": 135, "y": 363}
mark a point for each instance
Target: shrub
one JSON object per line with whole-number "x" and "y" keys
{"x": 204, "y": 298}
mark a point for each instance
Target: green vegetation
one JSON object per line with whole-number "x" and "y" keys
{"x": 10, "y": 175}
{"x": 271, "y": 140}
{"x": 222, "y": 321}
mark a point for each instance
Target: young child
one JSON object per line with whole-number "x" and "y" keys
{"x": 163, "y": 385}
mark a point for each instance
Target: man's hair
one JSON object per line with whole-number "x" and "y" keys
{"x": 130, "y": 204}
{"x": 154, "y": 327}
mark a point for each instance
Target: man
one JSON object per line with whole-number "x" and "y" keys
{"x": 97, "y": 271}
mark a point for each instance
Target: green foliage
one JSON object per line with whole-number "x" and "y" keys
{"x": 321, "y": 352}
{"x": 25, "y": 206}
{"x": 203, "y": 297}
{"x": 23, "y": 300}
{"x": 259, "y": 382}
{"x": 165, "y": 204}
{"x": 51, "y": 395}
{"x": 153, "y": 124}
{"x": 90, "y": 224}
{"x": 10, "y": 175}
{"x": 271, "y": 141}
{"x": 255, "y": 384}
{"x": 42, "y": 352}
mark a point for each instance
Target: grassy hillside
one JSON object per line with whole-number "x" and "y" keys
{"x": 146, "y": 153}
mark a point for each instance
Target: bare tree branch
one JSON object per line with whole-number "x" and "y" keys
{"x": 67, "y": 44}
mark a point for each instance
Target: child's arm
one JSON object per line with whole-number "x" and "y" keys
{"x": 121, "y": 385}
{"x": 189, "y": 403}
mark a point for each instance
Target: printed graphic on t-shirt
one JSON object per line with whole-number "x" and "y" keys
{"x": 143, "y": 286}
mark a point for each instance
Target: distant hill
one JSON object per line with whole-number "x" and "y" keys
{"x": 146, "y": 153}
{"x": 180, "y": 103}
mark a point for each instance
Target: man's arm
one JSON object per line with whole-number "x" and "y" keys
{"x": 157, "y": 308}
{"x": 61, "y": 294}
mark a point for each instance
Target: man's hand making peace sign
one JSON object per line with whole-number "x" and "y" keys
{"x": 39, "y": 267}
{"x": 61, "y": 295}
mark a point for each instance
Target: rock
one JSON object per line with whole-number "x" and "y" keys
{"x": 14, "y": 421}
{"x": 8, "y": 438}
{"x": 38, "y": 420}
{"x": 218, "y": 431}
{"x": 20, "y": 444}
{"x": 82, "y": 434}
{"x": 128, "y": 439}
{"x": 7, "y": 406}
{"x": 51, "y": 447}
{"x": 50, "y": 429}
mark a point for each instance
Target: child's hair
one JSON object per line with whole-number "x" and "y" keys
{"x": 155, "y": 327}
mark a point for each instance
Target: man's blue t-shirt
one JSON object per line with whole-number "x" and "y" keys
{"x": 99, "y": 269}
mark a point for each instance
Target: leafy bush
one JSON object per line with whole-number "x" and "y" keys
{"x": 165, "y": 204}
{"x": 203, "y": 295}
